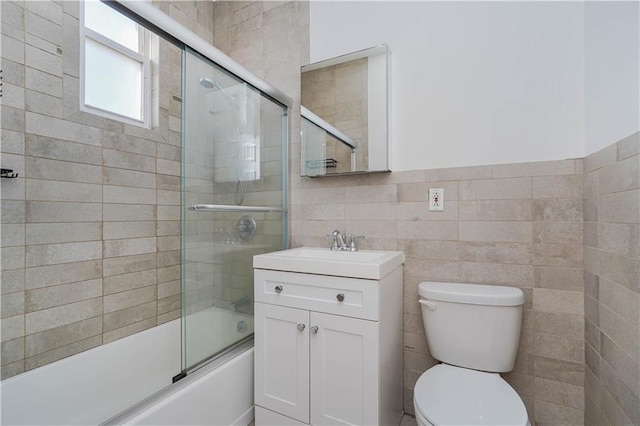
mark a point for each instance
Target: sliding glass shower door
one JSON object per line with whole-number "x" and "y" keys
{"x": 233, "y": 207}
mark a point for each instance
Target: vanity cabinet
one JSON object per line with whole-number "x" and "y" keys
{"x": 328, "y": 349}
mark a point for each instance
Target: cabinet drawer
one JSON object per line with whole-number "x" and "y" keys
{"x": 319, "y": 293}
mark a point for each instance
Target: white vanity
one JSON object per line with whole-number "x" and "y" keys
{"x": 328, "y": 337}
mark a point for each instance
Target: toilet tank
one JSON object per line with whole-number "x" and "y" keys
{"x": 471, "y": 325}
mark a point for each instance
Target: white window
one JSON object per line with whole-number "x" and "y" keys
{"x": 115, "y": 70}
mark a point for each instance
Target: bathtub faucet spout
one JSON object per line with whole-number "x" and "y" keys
{"x": 246, "y": 300}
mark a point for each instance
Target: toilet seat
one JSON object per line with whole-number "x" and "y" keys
{"x": 448, "y": 395}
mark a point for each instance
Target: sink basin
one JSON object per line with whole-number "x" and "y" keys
{"x": 369, "y": 264}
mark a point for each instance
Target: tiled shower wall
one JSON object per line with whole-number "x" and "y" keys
{"x": 90, "y": 229}
{"x": 612, "y": 284}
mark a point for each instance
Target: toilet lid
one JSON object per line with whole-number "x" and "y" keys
{"x": 448, "y": 395}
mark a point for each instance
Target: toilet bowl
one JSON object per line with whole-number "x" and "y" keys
{"x": 474, "y": 330}
{"x": 449, "y": 395}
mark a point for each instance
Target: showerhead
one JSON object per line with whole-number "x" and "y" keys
{"x": 207, "y": 83}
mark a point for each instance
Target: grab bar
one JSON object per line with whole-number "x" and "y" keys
{"x": 230, "y": 208}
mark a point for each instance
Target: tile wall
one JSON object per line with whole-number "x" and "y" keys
{"x": 612, "y": 284}
{"x": 516, "y": 224}
{"x": 90, "y": 229}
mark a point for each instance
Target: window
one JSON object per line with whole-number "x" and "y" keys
{"x": 115, "y": 68}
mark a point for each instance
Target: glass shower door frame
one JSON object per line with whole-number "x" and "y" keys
{"x": 187, "y": 55}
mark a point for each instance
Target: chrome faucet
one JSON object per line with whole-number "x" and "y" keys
{"x": 246, "y": 300}
{"x": 340, "y": 241}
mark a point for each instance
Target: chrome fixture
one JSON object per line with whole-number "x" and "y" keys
{"x": 353, "y": 246}
{"x": 207, "y": 83}
{"x": 240, "y": 302}
{"x": 231, "y": 208}
{"x": 246, "y": 228}
{"x": 340, "y": 241}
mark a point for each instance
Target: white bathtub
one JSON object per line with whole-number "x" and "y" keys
{"x": 94, "y": 386}
{"x": 210, "y": 331}
{"x": 220, "y": 393}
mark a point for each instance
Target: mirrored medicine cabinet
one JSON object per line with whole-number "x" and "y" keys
{"x": 346, "y": 114}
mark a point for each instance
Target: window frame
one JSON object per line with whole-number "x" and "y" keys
{"x": 142, "y": 58}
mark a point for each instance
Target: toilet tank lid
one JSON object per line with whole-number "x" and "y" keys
{"x": 475, "y": 294}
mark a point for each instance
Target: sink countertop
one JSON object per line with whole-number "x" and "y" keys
{"x": 367, "y": 264}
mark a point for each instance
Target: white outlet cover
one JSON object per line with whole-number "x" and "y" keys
{"x": 436, "y": 199}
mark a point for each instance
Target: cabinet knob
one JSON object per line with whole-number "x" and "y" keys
{"x": 278, "y": 288}
{"x": 340, "y": 297}
{"x": 300, "y": 327}
{"x": 314, "y": 330}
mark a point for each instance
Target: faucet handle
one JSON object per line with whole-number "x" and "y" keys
{"x": 353, "y": 246}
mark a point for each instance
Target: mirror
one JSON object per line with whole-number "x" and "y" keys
{"x": 345, "y": 114}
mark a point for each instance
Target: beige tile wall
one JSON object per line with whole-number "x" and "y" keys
{"x": 612, "y": 284}
{"x": 90, "y": 229}
{"x": 517, "y": 225}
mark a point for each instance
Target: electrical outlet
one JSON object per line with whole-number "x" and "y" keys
{"x": 436, "y": 199}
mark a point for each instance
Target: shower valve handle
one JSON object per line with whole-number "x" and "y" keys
{"x": 278, "y": 289}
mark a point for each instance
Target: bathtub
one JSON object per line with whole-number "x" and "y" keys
{"x": 100, "y": 385}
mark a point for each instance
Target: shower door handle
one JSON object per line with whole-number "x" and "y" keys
{"x": 231, "y": 208}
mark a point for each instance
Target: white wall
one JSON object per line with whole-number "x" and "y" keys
{"x": 612, "y": 73}
{"x": 472, "y": 83}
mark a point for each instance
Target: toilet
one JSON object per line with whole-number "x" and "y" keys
{"x": 474, "y": 330}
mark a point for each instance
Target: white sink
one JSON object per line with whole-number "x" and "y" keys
{"x": 370, "y": 264}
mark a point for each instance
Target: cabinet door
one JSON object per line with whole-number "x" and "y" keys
{"x": 282, "y": 360}
{"x": 344, "y": 371}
